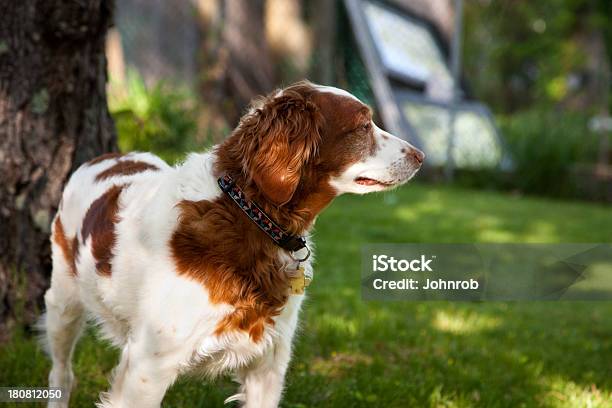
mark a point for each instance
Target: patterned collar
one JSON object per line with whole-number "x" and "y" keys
{"x": 280, "y": 237}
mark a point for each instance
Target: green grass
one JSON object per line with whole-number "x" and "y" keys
{"x": 350, "y": 353}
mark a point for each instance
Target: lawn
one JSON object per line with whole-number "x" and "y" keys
{"x": 350, "y": 353}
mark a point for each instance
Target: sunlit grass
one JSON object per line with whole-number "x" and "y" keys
{"x": 339, "y": 364}
{"x": 461, "y": 322}
{"x": 351, "y": 353}
{"x": 568, "y": 394}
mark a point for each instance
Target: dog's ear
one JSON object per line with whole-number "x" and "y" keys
{"x": 280, "y": 137}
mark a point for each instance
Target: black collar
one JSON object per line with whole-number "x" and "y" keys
{"x": 260, "y": 218}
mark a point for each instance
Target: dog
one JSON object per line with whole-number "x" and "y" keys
{"x": 202, "y": 267}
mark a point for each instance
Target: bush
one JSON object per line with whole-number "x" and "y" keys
{"x": 546, "y": 146}
{"x": 162, "y": 119}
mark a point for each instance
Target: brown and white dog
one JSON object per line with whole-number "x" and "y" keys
{"x": 178, "y": 276}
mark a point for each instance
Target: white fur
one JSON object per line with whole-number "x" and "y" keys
{"x": 162, "y": 322}
{"x": 335, "y": 91}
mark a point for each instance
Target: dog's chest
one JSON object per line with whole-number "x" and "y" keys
{"x": 218, "y": 353}
{"x": 234, "y": 350}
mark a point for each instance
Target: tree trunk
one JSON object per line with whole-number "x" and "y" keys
{"x": 248, "y": 70}
{"x": 211, "y": 69}
{"x": 53, "y": 117}
{"x": 289, "y": 36}
{"x": 324, "y": 23}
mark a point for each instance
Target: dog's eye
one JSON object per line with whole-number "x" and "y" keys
{"x": 366, "y": 127}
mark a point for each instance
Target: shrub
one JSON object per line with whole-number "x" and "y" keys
{"x": 161, "y": 119}
{"x": 546, "y": 146}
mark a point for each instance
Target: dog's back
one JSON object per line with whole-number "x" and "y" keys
{"x": 87, "y": 228}
{"x": 112, "y": 262}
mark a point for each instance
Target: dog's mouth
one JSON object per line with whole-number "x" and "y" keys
{"x": 366, "y": 181}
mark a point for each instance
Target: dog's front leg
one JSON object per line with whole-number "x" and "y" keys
{"x": 262, "y": 382}
{"x": 141, "y": 378}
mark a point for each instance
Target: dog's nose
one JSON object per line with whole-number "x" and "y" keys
{"x": 416, "y": 155}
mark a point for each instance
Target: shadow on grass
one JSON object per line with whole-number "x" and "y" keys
{"x": 440, "y": 354}
{"x": 432, "y": 354}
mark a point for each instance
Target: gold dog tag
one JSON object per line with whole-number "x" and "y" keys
{"x": 299, "y": 282}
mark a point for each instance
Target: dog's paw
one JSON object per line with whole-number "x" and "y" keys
{"x": 236, "y": 397}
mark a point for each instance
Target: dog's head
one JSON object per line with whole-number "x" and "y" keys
{"x": 308, "y": 139}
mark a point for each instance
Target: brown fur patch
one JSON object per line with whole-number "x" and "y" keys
{"x": 345, "y": 139}
{"x": 125, "y": 168}
{"x": 282, "y": 155}
{"x": 217, "y": 245}
{"x": 99, "y": 223}
{"x": 69, "y": 247}
{"x": 104, "y": 157}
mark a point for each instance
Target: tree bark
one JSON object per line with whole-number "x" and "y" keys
{"x": 249, "y": 69}
{"x": 324, "y": 23}
{"x": 53, "y": 117}
{"x": 243, "y": 67}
